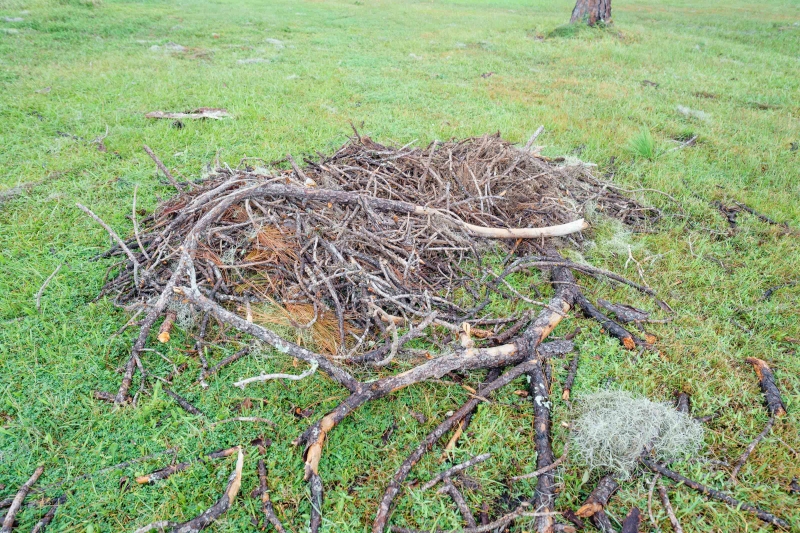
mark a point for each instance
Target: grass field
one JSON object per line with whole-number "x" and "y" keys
{"x": 293, "y": 74}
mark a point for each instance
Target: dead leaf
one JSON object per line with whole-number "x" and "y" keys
{"x": 201, "y": 112}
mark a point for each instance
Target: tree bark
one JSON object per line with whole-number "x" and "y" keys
{"x": 592, "y": 10}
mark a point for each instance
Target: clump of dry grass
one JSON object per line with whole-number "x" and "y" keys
{"x": 321, "y": 334}
{"x": 271, "y": 245}
{"x": 614, "y": 428}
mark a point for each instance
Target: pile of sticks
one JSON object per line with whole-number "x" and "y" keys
{"x": 366, "y": 250}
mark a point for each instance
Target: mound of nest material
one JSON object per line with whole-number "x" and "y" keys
{"x": 361, "y": 252}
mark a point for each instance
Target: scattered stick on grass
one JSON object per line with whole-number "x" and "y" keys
{"x": 750, "y": 448}
{"x": 717, "y": 495}
{"x": 545, "y": 493}
{"x": 163, "y": 168}
{"x": 615, "y": 330}
{"x": 766, "y": 379}
{"x": 555, "y": 464}
{"x": 228, "y": 360}
{"x": 450, "y": 472}
{"x": 255, "y": 419}
{"x": 16, "y": 503}
{"x": 42, "y": 524}
{"x": 44, "y": 286}
{"x": 183, "y": 402}
{"x": 662, "y": 491}
{"x": 458, "y": 498}
{"x": 497, "y": 525}
{"x": 262, "y": 492}
{"x": 164, "y": 473}
{"x": 213, "y": 513}
{"x": 775, "y": 406}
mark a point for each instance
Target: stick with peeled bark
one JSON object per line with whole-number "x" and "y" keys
{"x": 16, "y": 503}
{"x": 166, "y": 326}
{"x": 717, "y": 495}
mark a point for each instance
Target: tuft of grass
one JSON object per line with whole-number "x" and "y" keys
{"x": 643, "y": 144}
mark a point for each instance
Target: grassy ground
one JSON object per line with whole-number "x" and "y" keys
{"x": 404, "y": 71}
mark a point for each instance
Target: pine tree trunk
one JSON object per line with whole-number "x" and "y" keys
{"x": 592, "y": 10}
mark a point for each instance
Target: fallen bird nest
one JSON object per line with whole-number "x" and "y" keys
{"x": 363, "y": 251}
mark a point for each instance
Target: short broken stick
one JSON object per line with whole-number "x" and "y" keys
{"x": 713, "y": 493}
{"x": 545, "y": 494}
{"x": 166, "y": 326}
{"x": 573, "y": 371}
{"x": 16, "y": 503}
{"x": 450, "y": 472}
{"x": 766, "y": 379}
{"x": 612, "y": 328}
{"x": 164, "y": 473}
{"x": 593, "y": 508}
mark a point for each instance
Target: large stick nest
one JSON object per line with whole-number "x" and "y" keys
{"x": 349, "y": 274}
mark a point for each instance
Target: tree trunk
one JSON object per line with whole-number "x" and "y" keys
{"x": 593, "y": 10}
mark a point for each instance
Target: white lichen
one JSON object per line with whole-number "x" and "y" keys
{"x": 614, "y": 428}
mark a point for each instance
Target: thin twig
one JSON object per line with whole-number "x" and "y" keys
{"x": 44, "y": 286}
{"x": 551, "y": 466}
{"x": 161, "y": 166}
{"x": 450, "y": 472}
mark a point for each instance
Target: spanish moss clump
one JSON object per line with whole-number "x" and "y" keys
{"x": 614, "y": 428}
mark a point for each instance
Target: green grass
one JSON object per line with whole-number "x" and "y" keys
{"x": 402, "y": 71}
